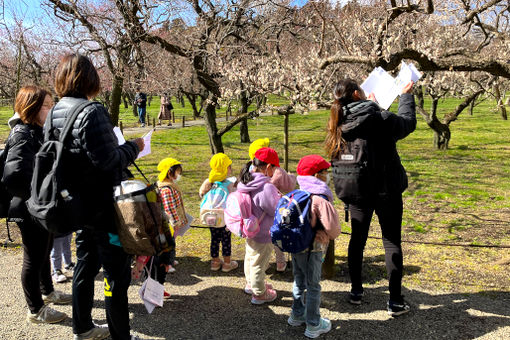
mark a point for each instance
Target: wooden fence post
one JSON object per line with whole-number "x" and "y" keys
{"x": 153, "y": 123}
{"x": 183, "y": 121}
{"x": 121, "y": 127}
{"x": 328, "y": 266}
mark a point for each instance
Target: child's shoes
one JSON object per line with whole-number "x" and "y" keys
{"x": 216, "y": 265}
{"x": 166, "y": 295}
{"x": 247, "y": 288}
{"x": 268, "y": 296}
{"x": 281, "y": 266}
{"x": 226, "y": 267}
{"x": 313, "y": 332}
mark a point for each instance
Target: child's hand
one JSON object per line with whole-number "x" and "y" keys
{"x": 371, "y": 97}
{"x": 408, "y": 88}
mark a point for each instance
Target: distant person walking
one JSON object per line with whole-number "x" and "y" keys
{"x": 141, "y": 103}
{"x": 94, "y": 162}
{"x": 165, "y": 109}
{"x": 368, "y": 175}
{"x": 32, "y": 106}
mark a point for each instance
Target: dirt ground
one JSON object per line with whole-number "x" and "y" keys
{"x": 206, "y": 305}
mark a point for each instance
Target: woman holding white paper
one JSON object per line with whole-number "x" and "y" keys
{"x": 368, "y": 176}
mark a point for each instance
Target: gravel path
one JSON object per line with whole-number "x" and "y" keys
{"x": 206, "y": 306}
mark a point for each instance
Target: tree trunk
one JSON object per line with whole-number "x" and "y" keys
{"x": 419, "y": 95}
{"x": 442, "y": 136}
{"x": 244, "y": 133}
{"x": 193, "y": 102}
{"x": 116, "y": 99}
{"x": 499, "y": 99}
{"x": 210, "y": 122}
{"x": 125, "y": 100}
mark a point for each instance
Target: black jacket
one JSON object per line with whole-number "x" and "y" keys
{"x": 23, "y": 143}
{"x": 382, "y": 129}
{"x": 93, "y": 160}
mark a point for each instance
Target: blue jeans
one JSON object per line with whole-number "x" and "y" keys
{"x": 61, "y": 246}
{"x": 307, "y": 268}
{"x": 141, "y": 114}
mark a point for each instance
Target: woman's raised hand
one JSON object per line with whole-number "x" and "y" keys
{"x": 408, "y": 88}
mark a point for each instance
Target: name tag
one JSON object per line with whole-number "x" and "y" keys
{"x": 347, "y": 157}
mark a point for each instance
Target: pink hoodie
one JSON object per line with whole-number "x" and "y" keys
{"x": 265, "y": 197}
{"x": 283, "y": 181}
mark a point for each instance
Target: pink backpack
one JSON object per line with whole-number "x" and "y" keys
{"x": 238, "y": 215}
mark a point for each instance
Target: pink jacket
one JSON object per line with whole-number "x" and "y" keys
{"x": 283, "y": 181}
{"x": 326, "y": 213}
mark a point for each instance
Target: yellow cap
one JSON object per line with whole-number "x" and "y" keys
{"x": 258, "y": 144}
{"x": 164, "y": 166}
{"x": 219, "y": 167}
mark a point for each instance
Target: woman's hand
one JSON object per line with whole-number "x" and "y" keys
{"x": 371, "y": 97}
{"x": 408, "y": 88}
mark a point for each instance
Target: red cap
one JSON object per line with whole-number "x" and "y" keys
{"x": 268, "y": 155}
{"x": 311, "y": 164}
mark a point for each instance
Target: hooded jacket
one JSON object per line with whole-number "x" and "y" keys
{"x": 93, "y": 159}
{"x": 381, "y": 129}
{"x": 265, "y": 198}
{"x": 322, "y": 212}
{"x": 23, "y": 143}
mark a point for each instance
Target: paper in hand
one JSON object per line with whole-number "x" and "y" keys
{"x": 118, "y": 134}
{"x": 386, "y": 88}
{"x": 147, "y": 148}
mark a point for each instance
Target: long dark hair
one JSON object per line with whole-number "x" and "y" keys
{"x": 343, "y": 93}
{"x": 245, "y": 175}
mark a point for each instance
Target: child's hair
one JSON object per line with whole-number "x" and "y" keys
{"x": 245, "y": 176}
{"x": 174, "y": 169}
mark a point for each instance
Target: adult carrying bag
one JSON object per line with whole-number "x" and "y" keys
{"x": 53, "y": 203}
{"x": 292, "y": 230}
{"x": 213, "y": 205}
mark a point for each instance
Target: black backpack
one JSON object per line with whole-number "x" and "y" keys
{"x": 52, "y": 203}
{"x": 5, "y": 196}
{"x": 353, "y": 171}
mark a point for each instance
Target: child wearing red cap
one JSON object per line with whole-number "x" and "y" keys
{"x": 284, "y": 182}
{"x": 265, "y": 196}
{"x": 313, "y": 177}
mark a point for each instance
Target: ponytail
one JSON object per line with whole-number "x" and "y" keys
{"x": 245, "y": 176}
{"x": 343, "y": 93}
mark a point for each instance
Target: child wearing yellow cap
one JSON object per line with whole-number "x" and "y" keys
{"x": 221, "y": 168}
{"x": 284, "y": 182}
{"x": 170, "y": 171}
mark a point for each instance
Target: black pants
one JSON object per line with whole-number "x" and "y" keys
{"x": 93, "y": 250}
{"x": 223, "y": 236}
{"x": 159, "y": 263}
{"x": 389, "y": 212}
{"x": 36, "y": 269}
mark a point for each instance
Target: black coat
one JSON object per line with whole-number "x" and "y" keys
{"x": 93, "y": 161}
{"x": 23, "y": 143}
{"x": 382, "y": 129}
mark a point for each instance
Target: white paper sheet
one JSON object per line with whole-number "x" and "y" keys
{"x": 184, "y": 229}
{"x": 147, "y": 149}
{"x": 386, "y": 88}
{"x": 118, "y": 134}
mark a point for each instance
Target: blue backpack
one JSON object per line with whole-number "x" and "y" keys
{"x": 292, "y": 231}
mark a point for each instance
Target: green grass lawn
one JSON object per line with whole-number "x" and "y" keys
{"x": 460, "y": 195}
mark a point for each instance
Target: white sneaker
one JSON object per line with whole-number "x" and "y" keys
{"x": 58, "y": 277}
{"x": 46, "y": 315}
{"x": 58, "y": 298}
{"x": 313, "y": 332}
{"x": 93, "y": 334}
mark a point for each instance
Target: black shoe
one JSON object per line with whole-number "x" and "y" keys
{"x": 398, "y": 308}
{"x": 355, "y": 298}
